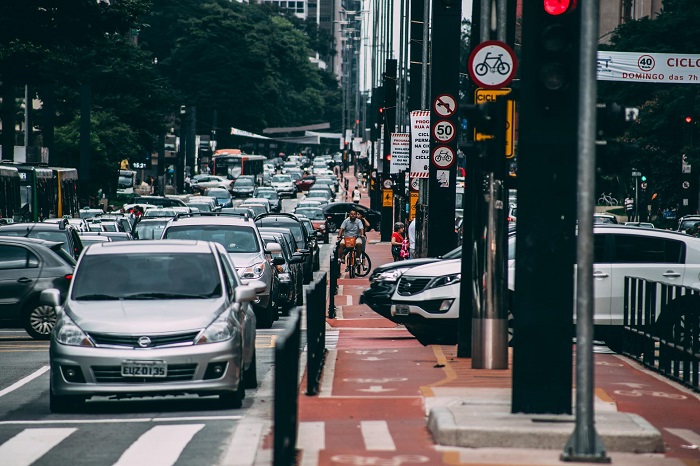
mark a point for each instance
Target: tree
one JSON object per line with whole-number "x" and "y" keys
{"x": 660, "y": 131}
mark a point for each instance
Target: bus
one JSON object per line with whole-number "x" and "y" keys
{"x": 37, "y": 192}
{"x": 66, "y": 182}
{"x": 9, "y": 195}
{"x": 126, "y": 182}
{"x": 231, "y": 163}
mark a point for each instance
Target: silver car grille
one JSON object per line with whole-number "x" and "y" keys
{"x": 113, "y": 374}
{"x": 409, "y": 286}
{"x": 137, "y": 341}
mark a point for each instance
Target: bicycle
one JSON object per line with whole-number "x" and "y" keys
{"x": 499, "y": 65}
{"x": 443, "y": 155}
{"x": 607, "y": 200}
{"x": 357, "y": 266}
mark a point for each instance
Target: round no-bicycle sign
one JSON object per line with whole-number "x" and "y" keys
{"x": 444, "y": 131}
{"x": 492, "y": 64}
{"x": 443, "y": 156}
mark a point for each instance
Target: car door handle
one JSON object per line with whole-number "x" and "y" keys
{"x": 600, "y": 275}
{"x": 672, "y": 274}
{"x": 24, "y": 280}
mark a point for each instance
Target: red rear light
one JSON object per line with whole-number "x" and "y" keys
{"x": 68, "y": 276}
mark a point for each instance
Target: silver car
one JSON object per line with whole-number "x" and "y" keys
{"x": 153, "y": 318}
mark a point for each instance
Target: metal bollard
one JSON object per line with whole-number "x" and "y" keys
{"x": 333, "y": 283}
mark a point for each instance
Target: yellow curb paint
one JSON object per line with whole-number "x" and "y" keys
{"x": 450, "y": 374}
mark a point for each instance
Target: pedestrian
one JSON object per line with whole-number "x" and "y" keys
{"x": 397, "y": 241}
{"x": 412, "y": 239}
{"x": 356, "y": 195}
{"x": 629, "y": 208}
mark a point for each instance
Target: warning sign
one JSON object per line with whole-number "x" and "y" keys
{"x": 387, "y": 198}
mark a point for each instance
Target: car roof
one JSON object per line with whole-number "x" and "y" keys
{"x": 217, "y": 219}
{"x": 29, "y": 226}
{"x": 146, "y": 247}
{"x": 24, "y": 240}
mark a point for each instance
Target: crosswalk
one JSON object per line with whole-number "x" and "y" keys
{"x": 157, "y": 445}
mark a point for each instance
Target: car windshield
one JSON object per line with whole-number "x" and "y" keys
{"x": 55, "y": 236}
{"x": 243, "y": 183}
{"x": 218, "y": 193}
{"x": 313, "y": 214}
{"x": 201, "y": 207}
{"x": 281, "y": 179}
{"x": 141, "y": 276}
{"x": 149, "y": 230}
{"x": 319, "y": 194}
{"x": 268, "y": 194}
{"x": 233, "y": 238}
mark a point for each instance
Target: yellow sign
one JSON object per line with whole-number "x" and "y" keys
{"x": 412, "y": 201}
{"x": 387, "y": 197}
{"x": 481, "y": 96}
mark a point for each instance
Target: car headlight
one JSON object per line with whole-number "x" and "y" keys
{"x": 446, "y": 280}
{"x": 253, "y": 271}
{"x": 222, "y": 329}
{"x": 390, "y": 276}
{"x": 285, "y": 277}
{"x": 68, "y": 333}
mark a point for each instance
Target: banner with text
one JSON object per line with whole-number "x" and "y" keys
{"x": 400, "y": 152}
{"x": 420, "y": 143}
{"x": 648, "y": 67}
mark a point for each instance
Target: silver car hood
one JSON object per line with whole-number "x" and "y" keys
{"x": 144, "y": 316}
{"x": 245, "y": 259}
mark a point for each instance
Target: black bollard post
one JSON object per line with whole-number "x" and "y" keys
{"x": 333, "y": 284}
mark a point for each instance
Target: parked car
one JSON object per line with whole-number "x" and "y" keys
{"x": 293, "y": 224}
{"x": 338, "y": 211}
{"x": 210, "y": 181}
{"x": 62, "y": 232}
{"x": 296, "y": 266}
{"x": 289, "y": 279}
{"x": 687, "y": 221}
{"x": 241, "y": 239}
{"x": 29, "y": 266}
{"x": 145, "y": 319}
{"x": 313, "y": 241}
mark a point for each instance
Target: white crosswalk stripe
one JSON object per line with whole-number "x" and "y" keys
{"x": 689, "y": 436}
{"x": 171, "y": 440}
{"x": 31, "y": 444}
{"x": 377, "y": 436}
{"x": 332, "y": 338}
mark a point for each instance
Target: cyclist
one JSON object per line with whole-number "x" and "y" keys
{"x": 352, "y": 229}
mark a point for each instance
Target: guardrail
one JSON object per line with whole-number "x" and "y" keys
{"x": 286, "y": 391}
{"x": 315, "y": 333}
{"x": 662, "y": 328}
{"x": 333, "y": 288}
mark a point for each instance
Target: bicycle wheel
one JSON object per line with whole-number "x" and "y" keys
{"x": 602, "y": 201}
{"x": 364, "y": 265}
{"x": 613, "y": 201}
{"x": 503, "y": 68}
{"x": 481, "y": 69}
{"x": 351, "y": 264}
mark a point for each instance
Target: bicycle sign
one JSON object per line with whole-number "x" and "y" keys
{"x": 492, "y": 64}
{"x": 444, "y": 131}
{"x": 443, "y": 156}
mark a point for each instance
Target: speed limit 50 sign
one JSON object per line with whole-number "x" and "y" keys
{"x": 444, "y": 131}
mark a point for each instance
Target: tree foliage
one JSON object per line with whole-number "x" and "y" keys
{"x": 660, "y": 133}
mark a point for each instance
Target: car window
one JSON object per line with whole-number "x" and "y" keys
{"x": 233, "y": 238}
{"x": 17, "y": 257}
{"x": 281, "y": 179}
{"x": 313, "y": 214}
{"x": 140, "y": 276}
{"x": 229, "y": 274}
{"x": 149, "y": 230}
{"x": 647, "y": 249}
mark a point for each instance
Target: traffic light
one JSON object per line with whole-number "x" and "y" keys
{"x": 611, "y": 120}
{"x": 551, "y": 53}
{"x": 479, "y": 122}
{"x": 688, "y": 119}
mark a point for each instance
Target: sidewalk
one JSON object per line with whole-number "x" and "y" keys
{"x": 387, "y": 400}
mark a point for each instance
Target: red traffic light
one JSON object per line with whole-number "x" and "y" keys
{"x": 558, "y": 7}
{"x": 688, "y": 119}
{"x": 387, "y": 157}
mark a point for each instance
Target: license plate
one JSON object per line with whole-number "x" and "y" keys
{"x": 401, "y": 310}
{"x": 144, "y": 369}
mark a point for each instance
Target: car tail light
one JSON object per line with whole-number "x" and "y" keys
{"x": 68, "y": 276}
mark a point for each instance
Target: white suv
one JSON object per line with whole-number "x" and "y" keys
{"x": 428, "y": 295}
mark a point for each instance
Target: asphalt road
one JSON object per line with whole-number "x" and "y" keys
{"x": 183, "y": 430}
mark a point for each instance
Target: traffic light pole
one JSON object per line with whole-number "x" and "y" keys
{"x": 389, "y": 125}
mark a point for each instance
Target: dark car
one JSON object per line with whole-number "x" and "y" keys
{"x": 61, "y": 232}
{"x": 313, "y": 241}
{"x": 271, "y": 195}
{"x": 305, "y": 183}
{"x": 243, "y": 187}
{"x": 27, "y": 267}
{"x": 318, "y": 220}
{"x": 384, "y": 279}
{"x": 338, "y": 211}
{"x": 292, "y": 223}
{"x": 297, "y": 266}
{"x": 289, "y": 276}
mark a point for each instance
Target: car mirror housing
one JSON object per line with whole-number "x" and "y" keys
{"x": 258, "y": 285}
{"x": 245, "y": 294}
{"x": 278, "y": 260}
{"x": 273, "y": 248}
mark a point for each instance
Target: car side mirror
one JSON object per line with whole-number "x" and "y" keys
{"x": 273, "y": 248}
{"x": 305, "y": 252}
{"x": 277, "y": 260}
{"x": 50, "y": 297}
{"x": 245, "y": 294}
{"x": 258, "y": 285}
